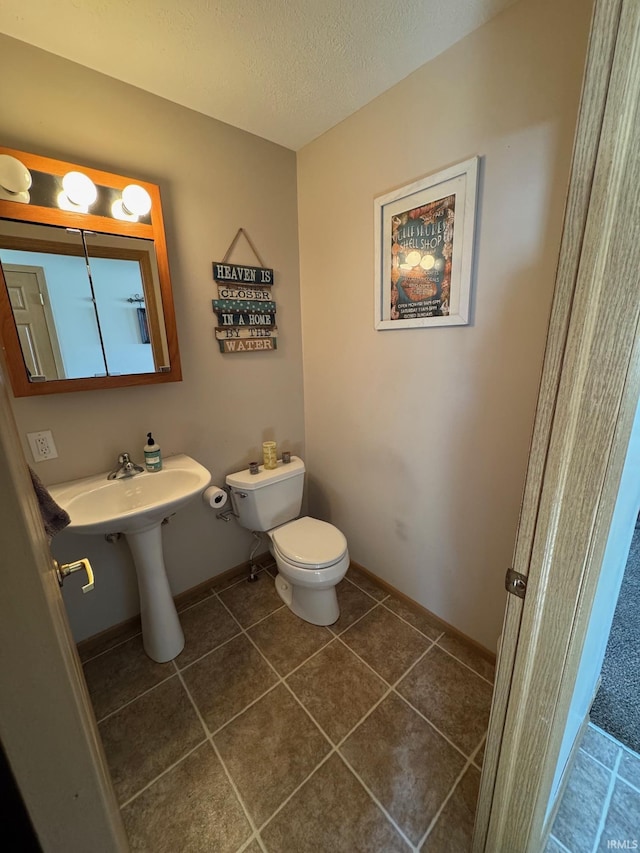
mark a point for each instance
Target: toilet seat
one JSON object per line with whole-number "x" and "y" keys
{"x": 309, "y": 543}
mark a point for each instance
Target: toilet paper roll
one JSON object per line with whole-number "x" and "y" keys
{"x": 215, "y": 497}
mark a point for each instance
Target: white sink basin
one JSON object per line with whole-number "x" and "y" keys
{"x": 131, "y": 504}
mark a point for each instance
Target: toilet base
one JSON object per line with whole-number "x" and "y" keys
{"x": 317, "y": 606}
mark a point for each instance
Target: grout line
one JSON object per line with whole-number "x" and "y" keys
{"x": 206, "y": 654}
{"x": 332, "y": 639}
{"x": 470, "y": 668}
{"x": 559, "y": 843}
{"x": 436, "y": 817}
{"x": 607, "y": 802}
{"x": 262, "y": 618}
{"x": 433, "y": 726}
{"x": 111, "y": 648}
{"x": 355, "y": 621}
{"x": 366, "y": 592}
{"x": 406, "y": 621}
{"x": 595, "y": 760}
{"x": 245, "y": 708}
{"x": 392, "y": 687}
{"x": 629, "y": 784}
{"x": 135, "y": 698}
{"x": 209, "y": 738}
{"x": 295, "y": 790}
{"x": 384, "y": 811}
{"x": 164, "y": 773}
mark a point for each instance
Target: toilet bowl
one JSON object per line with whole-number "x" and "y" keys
{"x": 311, "y": 555}
{"x": 312, "y": 558}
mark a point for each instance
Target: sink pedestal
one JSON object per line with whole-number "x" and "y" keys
{"x": 162, "y": 635}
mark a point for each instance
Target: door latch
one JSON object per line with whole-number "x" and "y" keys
{"x": 66, "y": 569}
{"x": 515, "y": 583}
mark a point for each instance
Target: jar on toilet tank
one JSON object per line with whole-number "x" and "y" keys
{"x": 269, "y": 455}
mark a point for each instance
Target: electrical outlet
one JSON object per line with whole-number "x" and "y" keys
{"x": 42, "y": 445}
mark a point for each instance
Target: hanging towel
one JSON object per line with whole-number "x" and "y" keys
{"x": 54, "y": 518}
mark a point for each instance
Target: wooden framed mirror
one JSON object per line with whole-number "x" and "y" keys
{"x": 85, "y": 291}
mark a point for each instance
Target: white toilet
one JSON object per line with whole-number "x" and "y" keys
{"x": 311, "y": 555}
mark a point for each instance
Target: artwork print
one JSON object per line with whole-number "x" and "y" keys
{"x": 421, "y": 252}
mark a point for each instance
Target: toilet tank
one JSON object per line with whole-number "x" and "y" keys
{"x": 271, "y": 497}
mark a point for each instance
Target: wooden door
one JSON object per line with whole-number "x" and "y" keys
{"x": 31, "y": 308}
{"x": 589, "y": 393}
{"x": 47, "y": 726}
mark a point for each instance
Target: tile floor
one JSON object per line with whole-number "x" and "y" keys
{"x": 600, "y": 808}
{"x": 271, "y": 734}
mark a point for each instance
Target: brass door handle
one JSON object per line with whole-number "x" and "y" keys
{"x": 68, "y": 568}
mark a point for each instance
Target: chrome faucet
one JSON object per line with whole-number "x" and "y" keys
{"x": 126, "y": 468}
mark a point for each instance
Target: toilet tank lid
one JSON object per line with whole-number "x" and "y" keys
{"x": 246, "y": 480}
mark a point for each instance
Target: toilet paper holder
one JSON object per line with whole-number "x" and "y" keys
{"x": 214, "y": 495}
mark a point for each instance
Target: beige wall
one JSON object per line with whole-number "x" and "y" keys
{"x": 213, "y": 179}
{"x": 417, "y": 440}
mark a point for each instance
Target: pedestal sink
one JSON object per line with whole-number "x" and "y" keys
{"x": 136, "y": 506}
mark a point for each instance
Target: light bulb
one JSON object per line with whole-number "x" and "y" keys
{"x": 15, "y": 179}
{"x": 136, "y": 200}
{"x": 79, "y": 189}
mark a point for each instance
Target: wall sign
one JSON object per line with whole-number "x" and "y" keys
{"x": 241, "y": 274}
{"x": 245, "y": 308}
{"x": 248, "y": 345}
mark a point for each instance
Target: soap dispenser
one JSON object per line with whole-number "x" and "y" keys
{"x": 152, "y": 454}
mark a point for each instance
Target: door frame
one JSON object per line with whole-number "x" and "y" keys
{"x": 47, "y": 725}
{"x": 589, "y": 392}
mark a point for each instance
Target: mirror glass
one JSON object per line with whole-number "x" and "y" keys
{"x": 85, "y": 296}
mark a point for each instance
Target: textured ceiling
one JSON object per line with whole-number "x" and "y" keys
{"x": 286, "y": 70}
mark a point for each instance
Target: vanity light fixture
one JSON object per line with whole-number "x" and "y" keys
{"x": 136, "y": 201}
{"x": 79, "y": 192}
{"x": 15, "y": 179}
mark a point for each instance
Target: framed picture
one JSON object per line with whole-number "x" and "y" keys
{"x": 424, "y": 236}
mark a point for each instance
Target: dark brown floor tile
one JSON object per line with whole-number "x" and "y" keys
{"x": 386, "y": 643}
{"x": 192, "y": 808}
{"x": 331, "y": 812}
{"x": 254, "y": 847}
{"x": 269, "y": 750}
{"x": 97, "y": 645}
{"x": 205, "y": 626}
{"x": 250, "y": 602}
{"x": 366, "y": 583}
{"x": 479, "y": 759}
{"x": 414, "y": 616}
{"x": 337, "y": 689}
{"x": 454, "y": 828}
{"x": 119, "y": 675}
{"x": 353, "y": 603}
{"x": 147, "y": 736}
{"x": 407, "y": 765}
{"x": 454, "y": 699}
{"x": 286, "y": 640}
{"x": 224, "y": 682}
{"x": 466, "y": 653}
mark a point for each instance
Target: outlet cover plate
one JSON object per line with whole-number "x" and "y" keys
{"x": 42, "y": 445}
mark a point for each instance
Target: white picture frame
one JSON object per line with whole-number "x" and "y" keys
{"x": 424, "y": 236}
